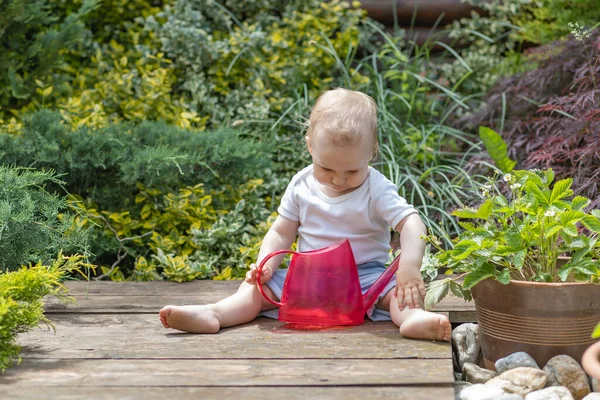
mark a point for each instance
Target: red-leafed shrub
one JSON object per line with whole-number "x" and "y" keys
{"x": 552, "y": 113}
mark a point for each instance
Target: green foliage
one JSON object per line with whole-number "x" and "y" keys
{"x": 491, "y": 40}
{"x": 34, "y": 224}
{"x": 522, "y": 237}
{"x": 543, "y": 21}
{"x": 125, "y": 84}
{"x": 489, "y": 47}
{"x": 105, "y": 165}
{"x": 190, "y": 234}
{"x": 253, "y": 69}
{"x": 21, "y": 306}
{"x": 496, "y": 148}
{"x": 33, "y": 43}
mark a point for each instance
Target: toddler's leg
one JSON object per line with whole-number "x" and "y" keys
{"x": 416, "y": 323}
{"x": 241, "y": 307}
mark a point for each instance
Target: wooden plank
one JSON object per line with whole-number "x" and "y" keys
{"x": 142, "y": 336}
{"x": 219, "y": 393}
{"x": 229, "y": 373}
{"x": 149, "y": 297}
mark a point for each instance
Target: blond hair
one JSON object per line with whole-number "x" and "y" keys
{"x": 346, "y": 116}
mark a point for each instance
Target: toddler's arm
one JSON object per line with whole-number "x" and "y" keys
{"x": 410, "y": 285}
{"x": 280, "y": 236}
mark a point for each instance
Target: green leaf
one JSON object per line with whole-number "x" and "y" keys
{"x": 467, "y": 225}
{"x": 496, "y": 148}
{"x": 465, "y": 213}
{"x": 549, "y": 174}
{"x": 592, "y": 223}
{"x": 596, "y": 333}
{"x": 485, "y": 210}
{"x": 459, "y": 292}
{"x": 596, "y": 213}
{"x": 571, "y": 229}
{"x": 579, "y": 203}
{"x": 464, "y": 249}
{"x": 473, "y": 278}
{"x": 564, "y": 272}
{"x": 554, "y": 229}
{"x": 534, "y": 189}
{"x": 561, "y": 190}
{"x": 571, "y": 217}
{"x": 504, "y": 276}
{"x": 519, "y": 259}
{"x": 436, "y": 291}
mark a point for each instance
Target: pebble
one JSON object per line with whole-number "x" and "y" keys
{"x": 481, "y": 392}
{"x": 465, "y": 339}
{"x": 475, "y": 374}
{"x": 515, "y": 360}
{"x": 550, "y": 393}
{"x": 521, "y": 380}
{"x": 563, "y": 370}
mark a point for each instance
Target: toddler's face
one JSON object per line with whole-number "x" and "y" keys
{"x": 339, "y": 168}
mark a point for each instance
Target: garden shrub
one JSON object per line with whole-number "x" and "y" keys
{"x": 34, "y": 224}
{"x": 191, "y": 234}
{"x": 33, "y": 43}
{"x": 98, "y": 66}
{"x": 492, "y": 40}
{"x": 106, "y": 165}
{"x": 550, "y": 116}
{"x": 21, "y": 294}
{"x": 543, "y": 21}
{"x": 167, "y": 184}
{"x": 252, "y": 70}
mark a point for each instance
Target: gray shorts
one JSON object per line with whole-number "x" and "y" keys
{"x": 367, "y": 275}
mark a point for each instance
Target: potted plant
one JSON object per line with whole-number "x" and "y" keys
{"x": 591, "y": 358}
{"x": 507, "y": 258}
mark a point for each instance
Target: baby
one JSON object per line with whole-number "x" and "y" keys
{"x": 338, "y": 196}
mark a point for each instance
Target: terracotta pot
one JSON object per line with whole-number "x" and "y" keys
{"x": 591, "y": 360}
{"x": 541, "y": 319}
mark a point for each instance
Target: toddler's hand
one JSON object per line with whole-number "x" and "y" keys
{"x": 410, "y": 288}
{"x": 267, "y": 273}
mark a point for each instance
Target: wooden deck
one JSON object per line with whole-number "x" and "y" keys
{"x": 111, "y": 345}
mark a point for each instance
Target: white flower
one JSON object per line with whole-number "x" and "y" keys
{"x": 579, "y": 32}
{"x": 507, "y": 177}
{"x": 515, "y": 186}
{"x": 488, "y": 187}
{"x": 485, "y": 192}
{"x": 550, "y": 213}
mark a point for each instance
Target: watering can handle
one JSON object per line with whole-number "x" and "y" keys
{"x": 259, "y": 274}
{"x": 371, "y": 296}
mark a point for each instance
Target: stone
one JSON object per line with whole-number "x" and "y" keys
{"x": 521, "y": 380}
{"x": 480, "y": 392}
{"x": 515, "y": 360}
{"x": 509, "y": 397}
{"x": 465, "y": 341}
{"x": 563, "y": 370}
{"x": 475, "y": 374}
{"x": 458, "y": 387}
{"x": 595, "y": 384}
{"x": 550, "y": 393}
{"x": 592, "y": 396}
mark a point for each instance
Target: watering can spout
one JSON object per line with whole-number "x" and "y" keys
{"x": 371, "y": 295}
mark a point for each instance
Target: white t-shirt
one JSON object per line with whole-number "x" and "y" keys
{"x": 363, "y": 216}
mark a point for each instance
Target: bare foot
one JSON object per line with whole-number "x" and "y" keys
{"x": 193, "y": 319}
{"x": 421, "y": 324}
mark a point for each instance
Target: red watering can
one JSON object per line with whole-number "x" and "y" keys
{"x": 322, "y": 287}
